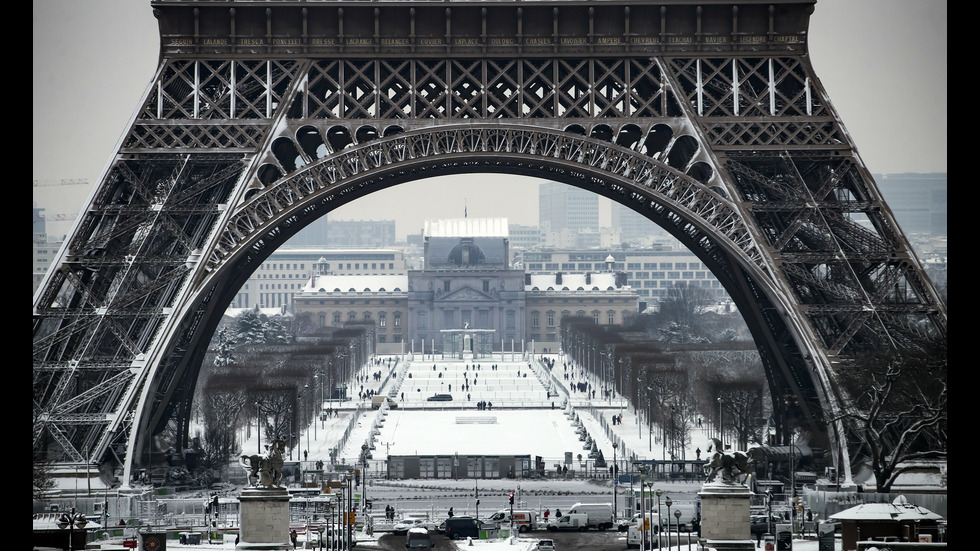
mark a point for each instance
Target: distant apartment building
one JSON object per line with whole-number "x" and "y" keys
{"x": 649, "y": 272}
{"x": 328, "y": 233}
{"x": 525, "y": 237}
{"x": 286, "y": 271}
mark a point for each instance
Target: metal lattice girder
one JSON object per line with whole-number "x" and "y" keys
{"x": 264, "y": 115}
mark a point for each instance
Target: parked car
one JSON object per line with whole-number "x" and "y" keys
{"x": 418, "y": 538}
{"x": 546, "y": 545}
{"x": 441, "y": 398}
{"x": 407, "y": 524}
{"x": 462, "y": 527}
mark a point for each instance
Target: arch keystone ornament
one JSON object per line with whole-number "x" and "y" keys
{"x": 265, "y": 115}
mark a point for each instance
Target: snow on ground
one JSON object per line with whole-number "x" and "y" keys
{"x": 520, "y": 422}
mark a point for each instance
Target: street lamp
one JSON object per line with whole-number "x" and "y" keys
{"x": 364, "y": 458}
{"x": 71, "y": 520}
{"x": 677, "y": 515}
{"x": 659, "y": 493}
{"x": 721, "y": 426}
{"x": 348, "y": 506}
{"x": 615, "y": 482}
{"x": 643, "y": 514}
{"x": 668, "y": 502}
{"x": 258, "y": 427}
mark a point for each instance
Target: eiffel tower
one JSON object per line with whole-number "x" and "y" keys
{"x": 264, "y": 115}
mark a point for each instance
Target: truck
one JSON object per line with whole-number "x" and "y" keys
{"x": 524, "y": 519}
{"x": 379, "y": 399}
{"x": 583, "y": 516}
{"x": 690, "y": 515}
{"x": 649, "y": 526}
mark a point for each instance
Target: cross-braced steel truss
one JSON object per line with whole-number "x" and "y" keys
{"x": 265, "y": 115}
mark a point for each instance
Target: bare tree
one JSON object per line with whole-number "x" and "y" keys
{"x": 741, "y": 401}
{"x": 222, "y": 405}
{"x": 683, "y": 304}
{"x": 899, "y": 405}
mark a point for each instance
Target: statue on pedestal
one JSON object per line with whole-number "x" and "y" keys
{"x": 265, "y": 470}
{"x": 729, "y": 463}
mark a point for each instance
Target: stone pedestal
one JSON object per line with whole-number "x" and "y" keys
{"x": 725, "y": 523}
{"x": 264, "y": 520}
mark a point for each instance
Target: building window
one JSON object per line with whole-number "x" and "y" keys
{"x": 535, "y": 322}
{"x": 486, "y": 286}
{"x": 445, "y": 285}
{"x": 595, "y": 318}
{"x": 351, "y": 316}
{"x": 611, "y": 318}
{"x": 551, "y": 319}
{"x": 511, "y": 320}
{"x": 422, "y": 320}
{"x": 398, "y": 320}
{"x": 336, "y": 318}
{"x": 382, "y": 320}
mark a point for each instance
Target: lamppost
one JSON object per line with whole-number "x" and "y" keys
{"x": 364, "y": 458}
{"x": 307, "y": 428}
{"x": 71, "y": 520}
{"x": 348, "y": 506}
{"x": 659, "y": 493}
{"x": 721, "y": 426}
{"x": 643, "y": 514}
{"x": 258, "y": 427}
{"x": 668, "y": 502}
{"x": 677, "y": 515}
{"x": 615, "y": 483}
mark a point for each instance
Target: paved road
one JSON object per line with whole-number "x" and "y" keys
{"x": 609, "y": 540}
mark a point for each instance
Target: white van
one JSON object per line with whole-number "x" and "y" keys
{"x": 524, "y": 519}
{"x": 418, "y": 538}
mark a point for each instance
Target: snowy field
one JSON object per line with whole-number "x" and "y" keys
{"x": 524, "y": 419}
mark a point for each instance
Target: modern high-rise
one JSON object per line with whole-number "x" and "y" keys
{"x": 918, "y": 201}
{"x": 633, "y": 228}
{"x": 562, "y": 207}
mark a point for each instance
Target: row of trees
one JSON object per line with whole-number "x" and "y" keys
{"x": 668, "y": 367}
{"x": 676, "y": 385}
{"x": 258, "y": 372}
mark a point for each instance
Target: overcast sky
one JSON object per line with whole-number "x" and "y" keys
{"x": 883, "y": 63}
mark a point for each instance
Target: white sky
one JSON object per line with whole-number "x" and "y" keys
{"x": 883, "y": 63}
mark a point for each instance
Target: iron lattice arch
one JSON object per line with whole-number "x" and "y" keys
{"x": 264, "y": 116}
